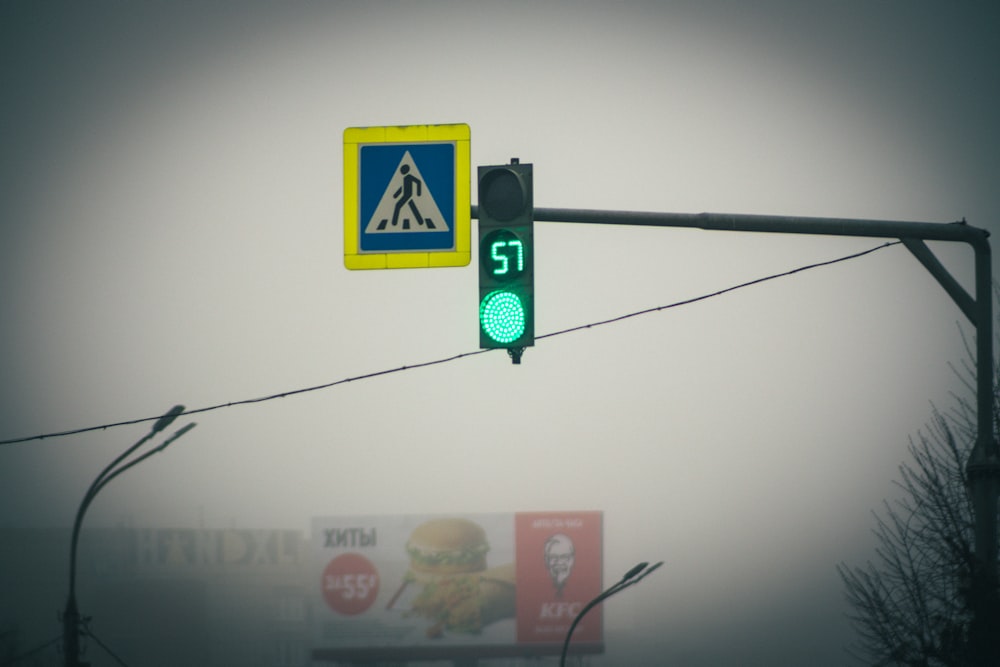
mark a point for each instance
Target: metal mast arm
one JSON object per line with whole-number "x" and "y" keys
{"x": 983, "y": 466}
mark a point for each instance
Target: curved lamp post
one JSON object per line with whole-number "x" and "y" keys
{"x": 633, "y": 576}
{"x": 71, "y": 617}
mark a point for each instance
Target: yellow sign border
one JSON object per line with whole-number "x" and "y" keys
{"x": 354, "y": 138}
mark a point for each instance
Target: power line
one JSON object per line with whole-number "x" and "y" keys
{"x": 456, "y": 357}
{"x": 703, "y": 297}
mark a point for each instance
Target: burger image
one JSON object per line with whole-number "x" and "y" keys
{"x": 466, "y": 603}
{"x": 446, "y": 547}
{"x": 457, "y": 593}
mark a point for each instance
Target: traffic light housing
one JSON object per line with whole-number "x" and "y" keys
{"x": 506, "y": 258}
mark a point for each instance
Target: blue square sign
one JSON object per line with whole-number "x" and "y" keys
{"x": 406, "y": 197}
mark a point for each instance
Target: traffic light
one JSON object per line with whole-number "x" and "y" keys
{"x": 506, "y": 258}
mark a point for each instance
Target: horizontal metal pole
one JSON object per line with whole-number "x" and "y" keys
{"x": 928, "y": 231}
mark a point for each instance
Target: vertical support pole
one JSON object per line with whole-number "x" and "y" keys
{"x": 983, "y": 471}
{"x": 71, "y": 633}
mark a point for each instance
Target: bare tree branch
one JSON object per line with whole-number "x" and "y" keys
{"x": 912, "y": 603}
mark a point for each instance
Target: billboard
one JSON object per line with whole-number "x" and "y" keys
{"x": 455, "y": 586}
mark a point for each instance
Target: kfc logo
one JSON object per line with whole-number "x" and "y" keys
{"x": 559, "y": 558}
{"x": 558, "y": 568}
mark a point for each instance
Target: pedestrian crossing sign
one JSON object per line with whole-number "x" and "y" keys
{"x": 406, "y": 197}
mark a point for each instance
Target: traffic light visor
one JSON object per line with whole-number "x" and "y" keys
{"x": 502, "y": 194}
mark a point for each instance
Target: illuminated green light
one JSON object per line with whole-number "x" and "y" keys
{"x": 501, "y": 315}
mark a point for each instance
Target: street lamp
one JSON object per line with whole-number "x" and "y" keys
{"x": 632, "y": 577}
{"x": 71, "y": 617}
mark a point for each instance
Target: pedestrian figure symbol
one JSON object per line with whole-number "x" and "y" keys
{"x": 407, "y": 205}
{"x": 406, "y": 190}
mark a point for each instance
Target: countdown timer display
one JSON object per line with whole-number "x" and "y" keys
{"x": 502, "y": 255}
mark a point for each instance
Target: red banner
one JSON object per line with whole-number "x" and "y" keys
{"x": 558, "y": 572}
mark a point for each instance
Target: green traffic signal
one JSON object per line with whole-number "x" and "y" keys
{"x": 502, "y": 317}
{"x": 506, "y": 257}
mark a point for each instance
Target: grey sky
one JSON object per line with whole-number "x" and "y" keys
{"x": 171, "y": 232}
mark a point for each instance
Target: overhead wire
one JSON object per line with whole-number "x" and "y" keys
{"x": 456, "y": 357}
{"x": 703, "y": 297}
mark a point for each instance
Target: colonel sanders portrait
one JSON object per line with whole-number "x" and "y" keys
{"x": 559, "y": 556}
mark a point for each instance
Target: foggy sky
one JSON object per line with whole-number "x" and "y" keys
{"x": 171, "y": 232}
